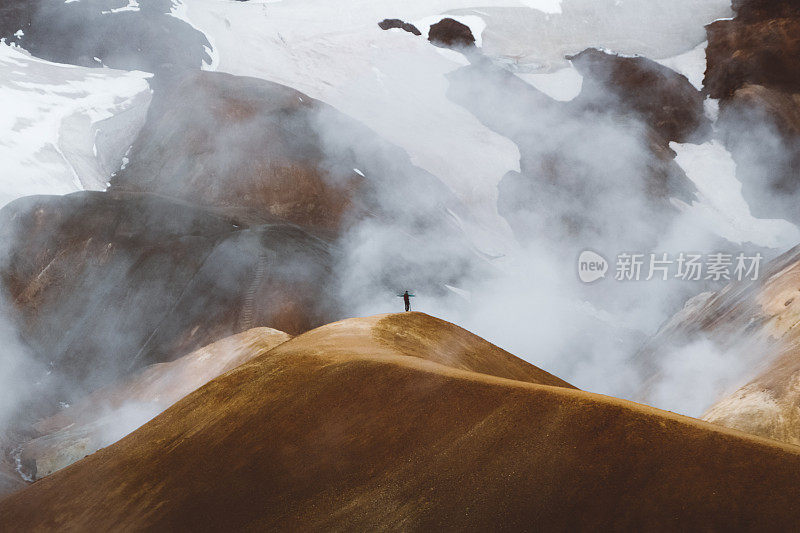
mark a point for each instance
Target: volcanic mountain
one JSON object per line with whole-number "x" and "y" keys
{"x": 408, "y": 422}
{"x": 110, "y": 413}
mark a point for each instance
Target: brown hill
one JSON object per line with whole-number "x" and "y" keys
{"x": 110, "y": 413}
{"x": 358, "y": 425}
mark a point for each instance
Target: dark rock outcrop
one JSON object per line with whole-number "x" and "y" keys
{"x": 107, "y": 283}
{"x": 449, "y": 33}
{"x": 388, "y": 24}
{"x": 761, "y": 49}
{"x": 752, "y": 67}
{"x": 664, "y": 99}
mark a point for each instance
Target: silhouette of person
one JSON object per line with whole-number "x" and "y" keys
{"x": 407, "y": 301}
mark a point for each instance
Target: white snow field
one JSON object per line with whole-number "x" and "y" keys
{"x": 720, "y": 206}
{"x": 533, "y": 39}
{"x": 67, "y": 128}
{"x": 395, "y": 82}
{"x": 691, "y": 64}
{"x": 391, "y": 81}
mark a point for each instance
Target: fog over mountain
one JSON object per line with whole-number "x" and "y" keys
{"x": 185, "y": 173}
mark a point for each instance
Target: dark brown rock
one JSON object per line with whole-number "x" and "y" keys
{"x": 663, "y": 98}
{"x": 743, "y": 51}
{"x": 449, "y": 33}
{"x": 388, "y": 24}
{"x": 764, "y": 9}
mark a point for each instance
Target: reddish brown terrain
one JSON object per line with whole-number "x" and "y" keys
{"x": 109, "y": 413}
{"x": 406, "y": 422}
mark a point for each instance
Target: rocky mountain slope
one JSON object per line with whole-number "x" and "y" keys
{"x": 752, "y": 329}
{"x": 106, "y": 283}
{"x": 750, "y": 67}
{"x": 768, "y": 403}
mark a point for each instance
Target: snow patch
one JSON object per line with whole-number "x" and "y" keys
{"x": 721, "y": 206}
{"x": 562, "y": 85}
{"x": 691, "y": 64}
{"x": 133, "y": 5}
{"x": 711, "y": 108}
{"x": 51, "y": 114}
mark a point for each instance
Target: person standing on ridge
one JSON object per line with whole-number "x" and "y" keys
{"x": 407, "y": 300}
